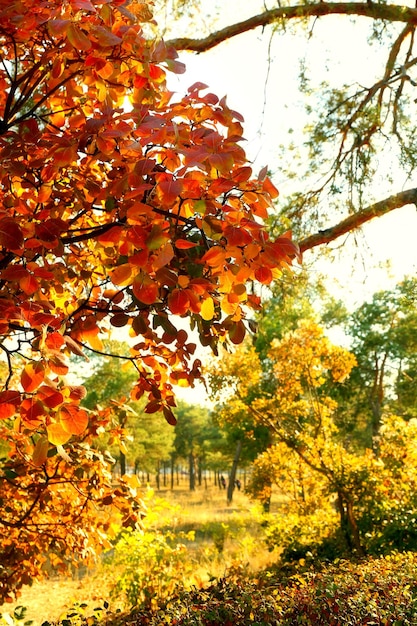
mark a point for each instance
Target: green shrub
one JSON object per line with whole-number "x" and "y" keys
{"x": 150, "y": 564}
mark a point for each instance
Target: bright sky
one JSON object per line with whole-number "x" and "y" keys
{"x": 384, "y": 250}
{"x": 267, "y": 97}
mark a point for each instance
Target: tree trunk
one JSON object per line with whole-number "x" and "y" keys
{"x": 158, "y": 481}
{"x": 122, "y": 461}
{"x": 348, "y": 524}
{"x": 172, "y": 471}
{"x": 200, "y": 470}
{"x": 191, "y": 466}
{"x": 232, "y": 478}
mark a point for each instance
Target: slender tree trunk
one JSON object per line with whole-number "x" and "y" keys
{"x": 354, "y": 529}
{"x": 122, "y": 461}
{"x": 200, "y": 470}
{"x": 158, "y": 478}
{"x": 232, "y": 478}
{"x": 172, "y": 471}
{"x": 191, "y": 465}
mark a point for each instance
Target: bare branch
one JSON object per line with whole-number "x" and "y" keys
{"x": 358, "y": 219}
{"x": 387, "y": 12}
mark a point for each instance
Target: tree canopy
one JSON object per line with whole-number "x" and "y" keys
{"x": 126, "y": 205}
{"x": 121, "y": 206}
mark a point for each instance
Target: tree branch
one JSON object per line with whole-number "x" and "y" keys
{"x": 387, "y": 12}
{"x": 356, "y": 220}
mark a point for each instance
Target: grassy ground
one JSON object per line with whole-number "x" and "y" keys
{"x": 204, "y": 511}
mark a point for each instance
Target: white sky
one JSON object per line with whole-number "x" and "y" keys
{"x": 238, "y": 68}
{"x": 384, "y": 250}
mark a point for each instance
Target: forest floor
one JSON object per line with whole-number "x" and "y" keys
{"x": 51, "y": 598}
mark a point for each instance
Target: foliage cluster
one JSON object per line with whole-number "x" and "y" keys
{"x": 175, "y": 551}
{"x": 122, "y": 205}
{"x": 375, "y": 591}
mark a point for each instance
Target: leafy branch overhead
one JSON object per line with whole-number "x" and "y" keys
{"x": 359, "y": 137}
{"x": 121, "y": 207}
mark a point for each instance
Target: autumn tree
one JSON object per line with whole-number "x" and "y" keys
{"x": 298, "y": 411}
{"x": 121, "y": 206}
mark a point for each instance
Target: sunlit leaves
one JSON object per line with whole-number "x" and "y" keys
{"x": 123, "y": 205}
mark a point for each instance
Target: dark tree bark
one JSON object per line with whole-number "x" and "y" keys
{"x": 232, "y": 478}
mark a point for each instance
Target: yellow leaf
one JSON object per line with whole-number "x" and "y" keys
{"x": 57, "y": 435}
{"x": 207, "y": 309}
{"x": 40, "y": 453}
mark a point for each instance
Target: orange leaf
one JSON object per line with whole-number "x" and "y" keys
{"x": 32, "y": 376}
{"x": 270, "y": 188}
{"x": 58, "y": 364}
{"x": 73, "y": 419}
{"x": 163, "y": 257}
{"x": 122, "y": 275}
{"x": 214, "y": 257}
{"x": 40, "y": 453}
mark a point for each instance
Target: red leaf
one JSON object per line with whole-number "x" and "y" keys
{"x": 50, "y": 397}
{"x": 11, "y": 236}
{"x": 146, "y": 291}
{"x": 169, "y": 190}
{"x": 29, "y": 284}
{"x": 178, "y": 302}
{"x": 237, "y": 332}
{"x": 183, "y": 244}
{"x": 9, "y": 400}
{"x": 77, "y": 392}
{"x": 119, "y": 320}
{"x": 153, "y": 407}
{"x": 78, "y": 39}
{"x": 263, "y": 275}
{"x": 169, "y": 416}
{"x": 31, "y": 413}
